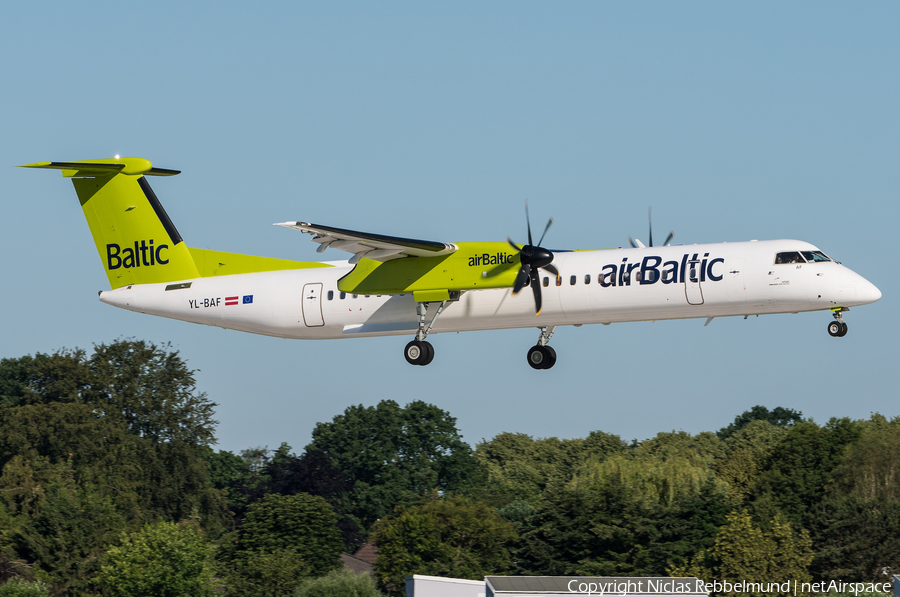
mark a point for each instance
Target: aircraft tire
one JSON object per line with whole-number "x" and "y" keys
{"x": 538, "y": 357}
{"x": 415, "y": 352}
{"x": 429, "y": 353}
{"x": 835, "y": 328}
{"x": 843, "y": 329}
{"x": 551, "y": 357}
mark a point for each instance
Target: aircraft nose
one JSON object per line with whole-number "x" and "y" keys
{"x": 868, "y": 292}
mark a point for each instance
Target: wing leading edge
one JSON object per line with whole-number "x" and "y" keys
{"x": 372, "y": 246}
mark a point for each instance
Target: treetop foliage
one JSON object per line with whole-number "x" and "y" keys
{"x": 163, "y": 559}
{"x": 393, "y": 455}
{"x": 144, "y": 386}
{"x": 301, "y": 522}
{"x": 454, "y": 537}
{"x": 744, "y": 551}
{"x": 520, "y": 467}
{"x": 779, "y": 417}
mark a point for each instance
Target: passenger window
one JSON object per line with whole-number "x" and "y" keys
{"x": 343, "y": 295}
{"x": 330, "y": 295}
{"x": 572, "y": 280}
{"x": 587, "y": 278}
{"x": 789, "y": 257}
{"x": 546, "y": 281}
{"x": 355, "y": 296}
{"x": 815, "y": 256}
{"x": 559, "y": 280}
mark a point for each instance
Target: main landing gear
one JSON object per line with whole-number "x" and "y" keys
{"x": 542, "y": 356}
{"x": 420, "y": 351}
{"x": 838, "y": 328}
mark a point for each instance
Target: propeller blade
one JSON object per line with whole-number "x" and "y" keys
{"x": 552, "y": 269}
{"x": 650, "y": 225}
{"x": 528, "y": 221}
{"x": 514, "y": 245}
{"x": 669, "y": 238}
{"x": 631, "y": 242}
{"x": 545, "y": 231}
{"x": 522, "y": 278}
{"x": 536, "y": 288}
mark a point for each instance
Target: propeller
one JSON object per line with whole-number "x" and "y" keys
{"x": 637, "y": 243}
{"x": 532, "y": 258}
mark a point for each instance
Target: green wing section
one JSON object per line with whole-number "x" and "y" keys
{"x": 472, "y": 266}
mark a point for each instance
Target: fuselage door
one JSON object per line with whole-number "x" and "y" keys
{"x": 312, "y": 305}
{"x": 692, "y": 290}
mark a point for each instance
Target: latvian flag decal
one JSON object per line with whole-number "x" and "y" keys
{"x": 231, "y": 300}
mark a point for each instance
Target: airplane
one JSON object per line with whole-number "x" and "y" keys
{"x": 401, "y": 286}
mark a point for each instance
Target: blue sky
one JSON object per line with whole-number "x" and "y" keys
{"x": 735, "y": 122}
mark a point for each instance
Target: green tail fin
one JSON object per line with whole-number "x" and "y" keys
{"x": 136, "y": 240}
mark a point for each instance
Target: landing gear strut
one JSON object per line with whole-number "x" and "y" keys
{"x": 838, "y": 328}
{"x": 420, "y": 351}
{"x": 542, "y": 356}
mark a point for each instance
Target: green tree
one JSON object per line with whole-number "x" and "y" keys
{"x": 796, "y": 475}
{"x": 60, "y": 525}
{"x": 746, "y": 452}
{"x": 625, "y": 516}
{"x": 745, "y": 552}
{"x": 395, "y": 455}
{"x": 339, "y": 583}
{"x": 779, "y": 417}
{"x": 520, "y": 467}
{"x": 161, "y": 560}
{"x": 271, "y": 572}
{"x": 858, "y": 531}
{"x": 454, "y": 537}
{"x": 152, "y": 391}
{"x": 146, "y": 387}
{"x": 19, "y": 587}
{"x": 300, "y": 522}
{"x": 83, "y": 458}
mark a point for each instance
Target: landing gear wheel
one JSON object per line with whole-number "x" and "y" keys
{"x": 429, "y": 353}
{"x": 551, "y": 357}
{"x": 419, "y": 352}
{"x": 843, "y": 329}
{"x": 837, "y": 329}
{"x": 415, "y": 352}
{"x": 541, "y": 357}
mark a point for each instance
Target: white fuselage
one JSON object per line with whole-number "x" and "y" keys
{"x": 674, "y": 282}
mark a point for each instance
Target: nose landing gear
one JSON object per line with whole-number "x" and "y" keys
{"x": 838, "y": 328}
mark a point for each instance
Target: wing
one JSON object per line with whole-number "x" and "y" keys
{"x": 373, "y": 246}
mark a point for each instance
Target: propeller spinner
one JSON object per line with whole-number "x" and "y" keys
{"x": 532, "y": 258}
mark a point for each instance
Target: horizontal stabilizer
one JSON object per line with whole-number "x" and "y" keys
{"x": 93, "y": 168}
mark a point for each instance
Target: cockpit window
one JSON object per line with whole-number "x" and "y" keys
{"x": 789, "y": 257}
{"x": 815, "y": 256}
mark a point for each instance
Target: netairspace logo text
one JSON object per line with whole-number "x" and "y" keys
{"x": 670, "y": 585}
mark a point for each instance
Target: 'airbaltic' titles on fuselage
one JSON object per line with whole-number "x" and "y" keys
{"x": 651, "y": 270}
{"x": 488, "y": 259}
{"x": 143, "y": 254}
